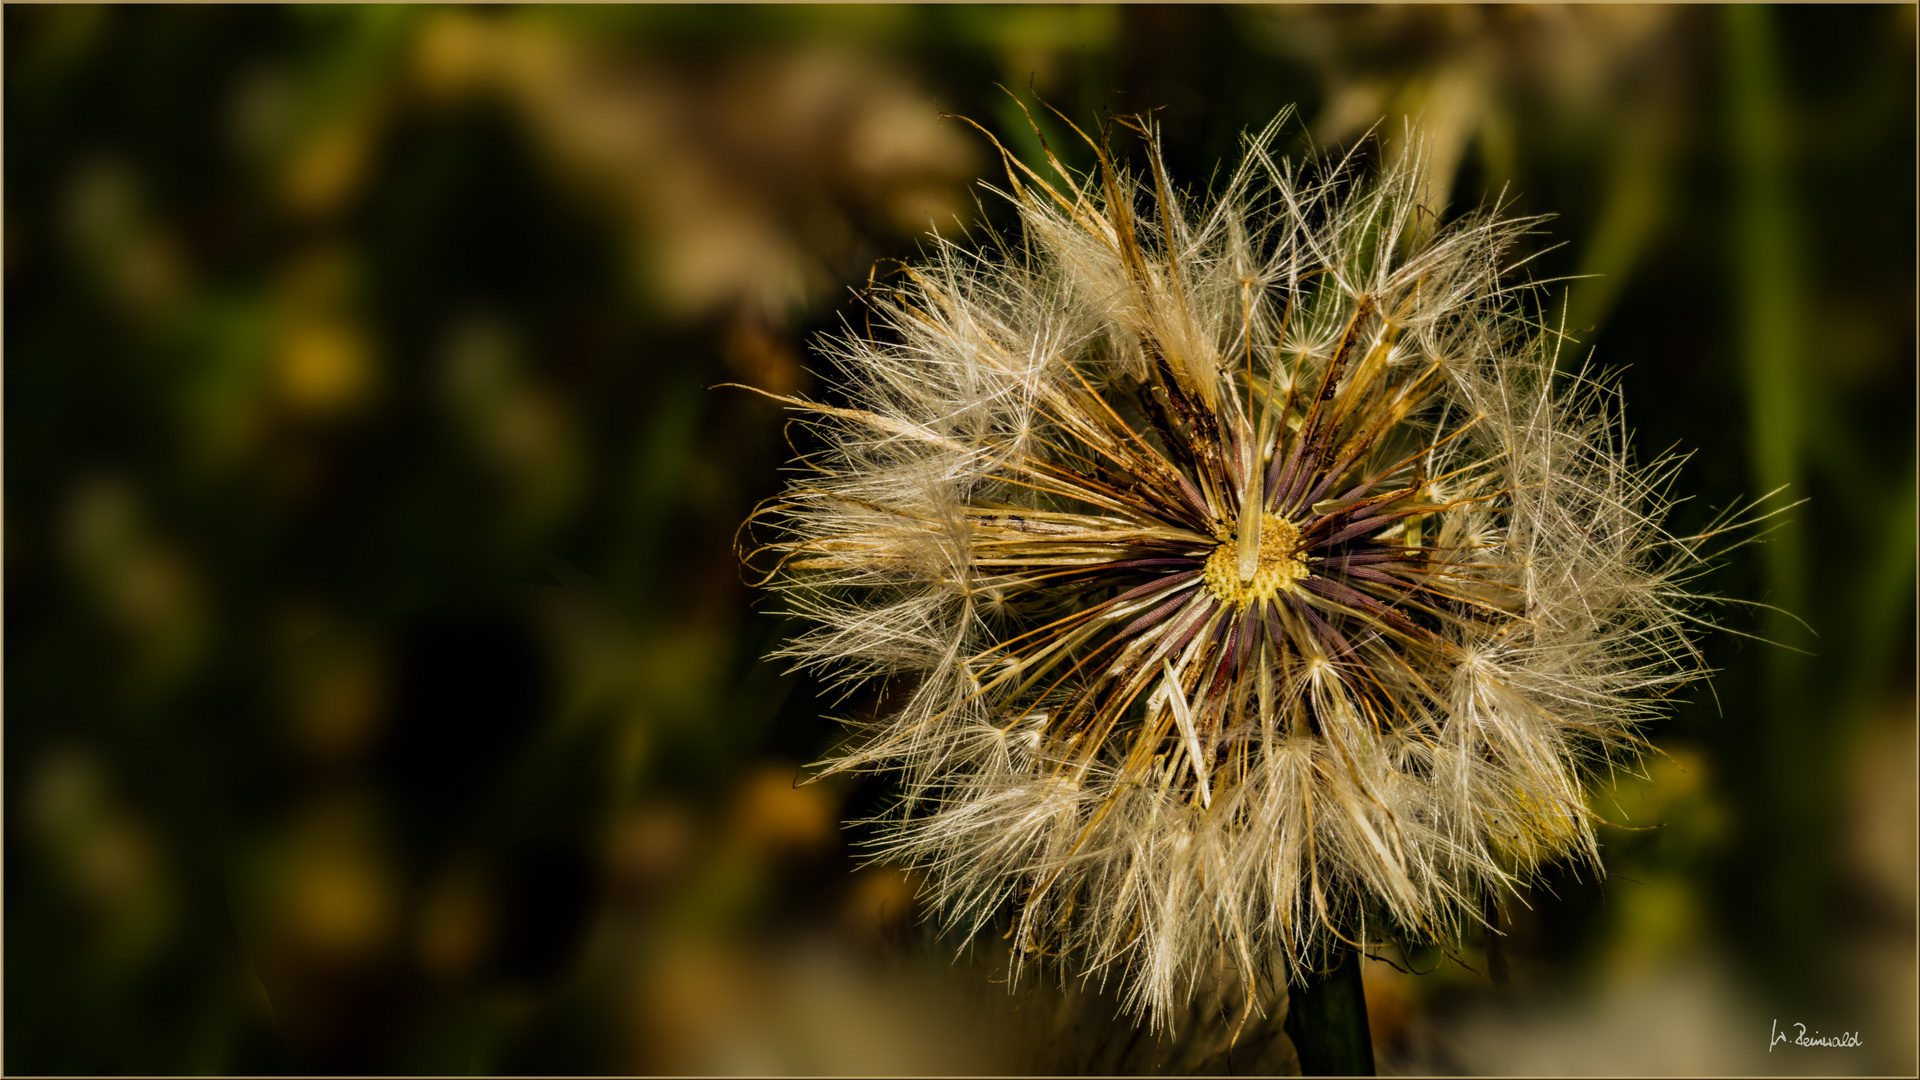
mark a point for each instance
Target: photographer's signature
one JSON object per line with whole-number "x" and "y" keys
{"x": 1801, "y": 1038}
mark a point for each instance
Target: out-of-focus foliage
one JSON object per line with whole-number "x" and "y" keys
{"x": 382, "y": 692}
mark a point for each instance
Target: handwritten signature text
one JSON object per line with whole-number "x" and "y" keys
{"x": 1801, "y": 1038}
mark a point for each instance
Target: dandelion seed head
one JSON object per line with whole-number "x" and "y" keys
{"x": 1246, "y": 575}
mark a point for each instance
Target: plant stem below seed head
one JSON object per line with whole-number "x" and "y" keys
{"x": 1327, "y": 1020}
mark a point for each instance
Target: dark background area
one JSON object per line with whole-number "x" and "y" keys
{"x": 382, "y": 690}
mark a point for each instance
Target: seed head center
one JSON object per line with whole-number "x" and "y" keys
{"x": 1281, "y": 564}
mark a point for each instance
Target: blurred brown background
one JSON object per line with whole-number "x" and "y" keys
{"x": 382, "y": 693}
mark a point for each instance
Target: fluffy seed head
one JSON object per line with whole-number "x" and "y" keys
{"x": 1241, "y": 579}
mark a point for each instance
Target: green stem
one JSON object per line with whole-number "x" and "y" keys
{"x": 1768, "y": 291}
{"x": 1327, "y": 1020}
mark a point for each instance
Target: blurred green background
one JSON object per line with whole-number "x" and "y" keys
{"x": 382, "y": 693}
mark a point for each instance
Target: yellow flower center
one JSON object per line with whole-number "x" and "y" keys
{"x": 1279, "y": 566}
